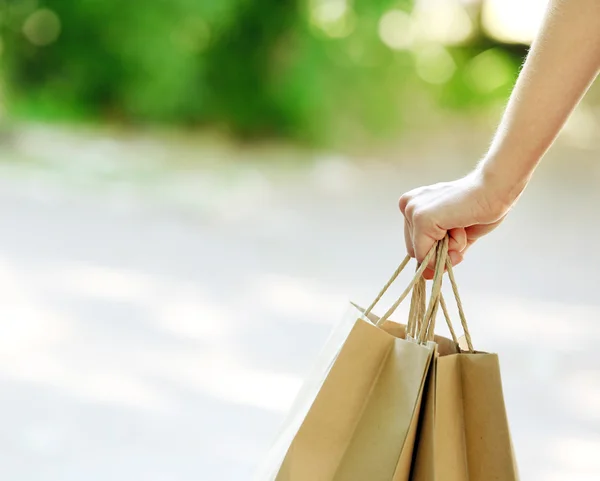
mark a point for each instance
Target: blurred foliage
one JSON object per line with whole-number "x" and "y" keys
{"x": 313, "y": 70}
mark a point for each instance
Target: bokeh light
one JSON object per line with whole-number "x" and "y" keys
{"x": 513, "y": 21}
{"x": 193, "y": 34}
{"x": 42, "y": 27}
{"x": 435, "y": 65}
{"x": 443, "y": 21}
{"x": 489, "y": 71}
{"x": 434, "y": 21}
{"x": 396, "y": 30}
{"x": 334, "y": 17}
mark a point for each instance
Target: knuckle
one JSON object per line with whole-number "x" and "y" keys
{"x": 421, "y": 217}
{"x": 403, "y": 202}
{"x": 409, "y": 210}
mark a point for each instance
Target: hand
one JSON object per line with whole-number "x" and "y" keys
{"x": 466, "y": 209}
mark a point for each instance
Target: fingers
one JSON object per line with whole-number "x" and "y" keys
{"x": 403, "y": 202}
{"x": 457, "y": 240}
{"x": 422, "y": 236}
{"x": 408, "y": 239}
{"x": 474, "y": 232}
{"x": 425, "y": 233}
{"x": 428, "y": 274}
{"x": 457, "y": 245}
{"x": 457, "y": 208}
{"x": 420, "y": 230}
{"x": 456, "y": 257}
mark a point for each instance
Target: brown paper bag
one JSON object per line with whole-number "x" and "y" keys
{"x": 356, "y": 417}
{"x": 463, "y": 432}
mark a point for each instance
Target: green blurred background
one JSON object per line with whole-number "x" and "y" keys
{"x": 325, "y": 72}
{"x": 192, "y": 190}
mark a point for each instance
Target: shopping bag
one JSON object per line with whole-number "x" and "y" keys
{"x": 463, "y": 433}
{"x": 355, "y": 418}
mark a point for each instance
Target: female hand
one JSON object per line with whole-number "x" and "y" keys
{"x": 466, "y": 209}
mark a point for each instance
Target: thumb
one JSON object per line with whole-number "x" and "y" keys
{"x": 455, "y": 257}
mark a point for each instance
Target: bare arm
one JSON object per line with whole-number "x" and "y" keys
{"x": 561, "y": 65}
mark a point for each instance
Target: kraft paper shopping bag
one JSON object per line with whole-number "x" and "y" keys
{"x": 355, "y": 419}
{"x": 463, "y": 432}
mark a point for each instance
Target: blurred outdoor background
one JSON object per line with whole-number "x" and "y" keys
{"x": 191, "y": 192}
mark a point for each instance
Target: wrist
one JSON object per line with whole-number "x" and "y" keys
{"x": 502, "y": 182}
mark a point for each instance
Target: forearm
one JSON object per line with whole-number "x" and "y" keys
{"x": 562, "y": 63}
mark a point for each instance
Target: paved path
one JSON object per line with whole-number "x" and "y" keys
{"x": 142, "y": 340}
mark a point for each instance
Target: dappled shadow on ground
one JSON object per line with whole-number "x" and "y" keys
{"x": 139, "y": 343}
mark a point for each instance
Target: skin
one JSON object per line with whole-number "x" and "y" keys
{"x": 562, "y": 63}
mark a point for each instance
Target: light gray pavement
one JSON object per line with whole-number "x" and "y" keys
{"x": 160, "y": 332}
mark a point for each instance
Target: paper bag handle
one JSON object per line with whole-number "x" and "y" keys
{"x": 424, "y": 329}
{"x": 395, "y": 275}
{"x": 428, "y": 326}
{"x": 461, "y": 311}
{"x": 421, "y": 320}
{"x": 443, "y": 261}
{"x": 418, "y": 307}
